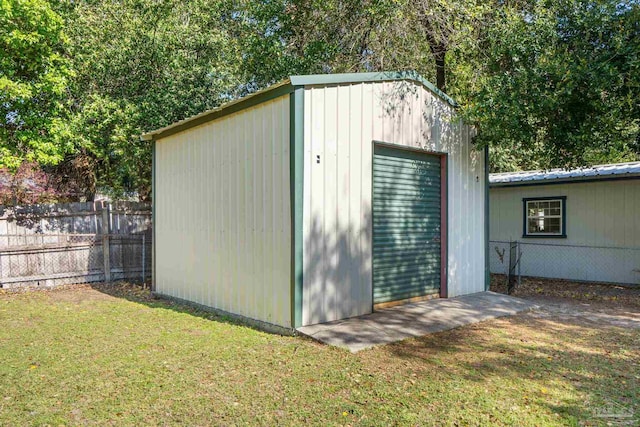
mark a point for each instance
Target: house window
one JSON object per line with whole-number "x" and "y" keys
{"x": 545, "y": 217}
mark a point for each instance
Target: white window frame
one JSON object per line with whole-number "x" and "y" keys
{"x": 561, "y": 216}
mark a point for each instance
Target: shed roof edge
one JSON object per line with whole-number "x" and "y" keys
{"x": 287, "y": 86}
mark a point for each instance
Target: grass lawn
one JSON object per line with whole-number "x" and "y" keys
{"x": 114, "y": 356}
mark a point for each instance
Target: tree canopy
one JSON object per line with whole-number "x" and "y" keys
{"x": 547, "y": 83}
{"x": 556, "y": 84}
{"x": 35, "y": 70}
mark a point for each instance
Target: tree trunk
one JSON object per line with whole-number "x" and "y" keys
{"x": 441, "y": 81}
{"x": 438, "y": 47}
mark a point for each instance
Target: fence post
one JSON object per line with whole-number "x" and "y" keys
{"x": 519, "y": 263}
{"x": 106, "y": 251}
{"x": 143, "y": 258}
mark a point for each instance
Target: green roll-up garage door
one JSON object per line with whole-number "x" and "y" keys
{"x": 406, "y": 224}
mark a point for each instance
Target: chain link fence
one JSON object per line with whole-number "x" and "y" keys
{"x": 58, "y": 259}
{"x": 570, "y": 262}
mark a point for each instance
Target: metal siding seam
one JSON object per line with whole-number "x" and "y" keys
{"x": 181, "y": 228}
{"x": 267, "y": 212}
{"x": 306, "y": 207}
{"x": 365, "y": 251}
{"x": 191, "y": 196}
{"x": 263, "y": 215}
{"x": 241, "y": 164}
{"x": 344, "y": 299}
{"x": 210, "y": 224}
{"x": 318, "y": 202}
{"x": 296, "y": 178}
{"x": 275, "y": 188}
{"x": 215, "y": 208}
{"x": 255, "y": 213}
{"x": 201, "y": 242}
{"x": 356, "y": 109}
{"x": 226, "y": 214}
{"x": 329, "y": 161}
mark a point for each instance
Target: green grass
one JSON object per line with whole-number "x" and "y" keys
{"x": 80, "y": 356}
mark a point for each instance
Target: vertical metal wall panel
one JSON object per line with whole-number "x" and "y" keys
{"x": 223, "y": 217}
{"x": 337, "y": 226}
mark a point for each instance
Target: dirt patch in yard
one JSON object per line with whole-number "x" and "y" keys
{"x": 585, "y": 302}
{"x": 76, "y": 293}
{"x": 83, "y": 293}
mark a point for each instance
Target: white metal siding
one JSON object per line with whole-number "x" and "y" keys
{"x": 223, "y": 228}
{"x": 599, "y": 214}
{"x": 341, "y": 123}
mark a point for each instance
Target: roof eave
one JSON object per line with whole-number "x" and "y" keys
{"x": 287, "y": 86}
{"x": 274, "y": 91}
{"x": 593, "y": 178}
{"x": 381, "y": 76}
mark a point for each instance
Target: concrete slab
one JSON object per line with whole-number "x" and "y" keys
{"x": 414, "y": 320}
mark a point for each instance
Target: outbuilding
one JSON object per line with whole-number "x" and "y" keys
{"x": 320, "y": 198}
{"x": 580, "y": 224}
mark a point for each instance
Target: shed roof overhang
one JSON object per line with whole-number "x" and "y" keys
{"x": 287, "y": 86}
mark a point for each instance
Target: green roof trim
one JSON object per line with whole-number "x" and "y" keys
{"x": 382, "y": 76}
{"x": 288, "y": 86}
{"x": 272, "y": 92}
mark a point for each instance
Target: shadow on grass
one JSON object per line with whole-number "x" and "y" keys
{"x": 141, "y": 294}
{"x": 594, "y": 360}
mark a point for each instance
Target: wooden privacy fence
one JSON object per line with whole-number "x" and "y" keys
{"x": 51, "y": 245}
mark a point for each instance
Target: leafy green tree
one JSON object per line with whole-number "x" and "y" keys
{"x": 34, "y": 75}
{"x": 283, "y": 37}
{"x": 547, "y": 83}
{"x": 555, "y": 84}
{"x": 143, "y": 64}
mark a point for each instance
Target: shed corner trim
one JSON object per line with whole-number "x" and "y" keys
{"x": 296, "y": 177}
{"x": 487, "y": 225}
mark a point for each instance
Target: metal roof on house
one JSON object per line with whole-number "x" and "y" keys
{"x": 594, "y": 173}
{"x": 287, "y": 86}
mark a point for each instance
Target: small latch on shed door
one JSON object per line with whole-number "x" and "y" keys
{"x": 318, "y": 158}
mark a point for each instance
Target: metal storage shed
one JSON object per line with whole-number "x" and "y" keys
{"x": 320, "y": 198}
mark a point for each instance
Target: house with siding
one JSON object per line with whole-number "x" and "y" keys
{"x": 581, "y": 224}
{"x": 320, "y": 198}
